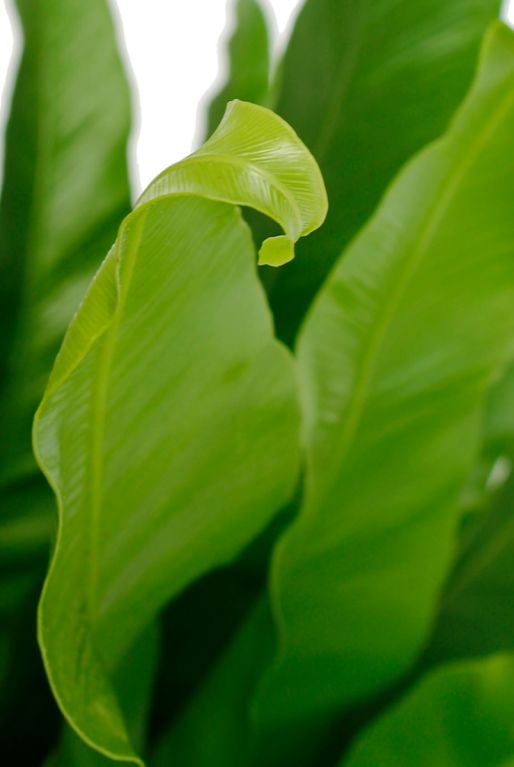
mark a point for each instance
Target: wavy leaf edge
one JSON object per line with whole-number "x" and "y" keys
{"x": 303, "y": 212}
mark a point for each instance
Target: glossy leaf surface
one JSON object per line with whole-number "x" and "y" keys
{"x": 395, "y": 358}
{"x": 169, "y": 428}
{"x": 366, "y": 85}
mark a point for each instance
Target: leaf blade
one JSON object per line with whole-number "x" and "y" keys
{"x": 352, "y": 75}
{"x": 459, "y": 714}
{"x": 50, "y": 175}
{"x": 213, "y": 396}
{"x": 248, "y": 62}
{"x": 393, "y": 386}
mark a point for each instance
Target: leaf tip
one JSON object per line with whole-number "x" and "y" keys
{"x": 276, "y": 251}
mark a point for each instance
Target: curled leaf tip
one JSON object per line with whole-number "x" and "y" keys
{"x": 254, "y": 159}
{"x": 276, "y": 251}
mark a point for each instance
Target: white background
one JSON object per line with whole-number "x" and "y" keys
{"x": 171, "y": 50}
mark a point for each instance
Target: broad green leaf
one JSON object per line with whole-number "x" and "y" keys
{"x": 65, "y": 191}
{"x": 366, "y": 85}
{"x": 169, "y": 428}
{"x": 395, "y": 358}
{"x": 271, "y": 164}
{"x": 26, "y": 522}
{"x": 248, "y": 59}
{"x": 458, "y": 716}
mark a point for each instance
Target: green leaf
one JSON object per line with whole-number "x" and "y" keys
{"x": 214, "y": 729}
{"x": 248, "y": 61}
{"x": 458, "y": 716}
{"x": 65, "y": 191}
{"x": 366, "y": 85}
{"x": 475, "y": 617}
{"x": 169, "y": 428}
{"x": 133, "y": 682}
{"x": 395, "y": 357}
{"x": 499, "y": 417}
{"x": 285, "y": 185}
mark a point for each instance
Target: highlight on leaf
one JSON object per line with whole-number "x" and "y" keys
{"x": 269, "y": 168}
{"x": 169, "y": 370}
{"x": 262, "y": 555}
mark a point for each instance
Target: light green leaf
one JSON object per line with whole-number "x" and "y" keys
{"x": 395, "y": 357}
{"x": 285, "y": 185}
{"x": 133, "y": 682}
{"x": 65, "y": 191}
{"x": 458, "y": 716}
{"x": 366, "y": 85}
{"x": 169, "y": 428}
{"x": 248, "y": 61}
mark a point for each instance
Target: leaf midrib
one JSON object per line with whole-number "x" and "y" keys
{"x": 225, "y": 159}
{"x": 99, "y": 415}
{"x": 435, "y": 214}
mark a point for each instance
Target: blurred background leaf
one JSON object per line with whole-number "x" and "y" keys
{"x": 248, "y": 54}
{"x": 65, "y": 190}
{"x": 169, "y": 457}
{"x": 366, "y": 85}
{"x": 457, "y": 716}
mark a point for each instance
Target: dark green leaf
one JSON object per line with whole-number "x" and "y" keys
{"x": 214, "y": 729}
{"x": 366, "y": 84}
{"x": 65, "y": 190}
{"x": 248, "y": 61}
{"x": 458, "y": 716}
{"x": 476, "y": 617}
{"x": 64, "y": 194}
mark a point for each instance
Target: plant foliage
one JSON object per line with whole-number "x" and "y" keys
{"x": 264, "y": 554}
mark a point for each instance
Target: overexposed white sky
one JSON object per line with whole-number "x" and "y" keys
{"x": 171, "y": 50}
